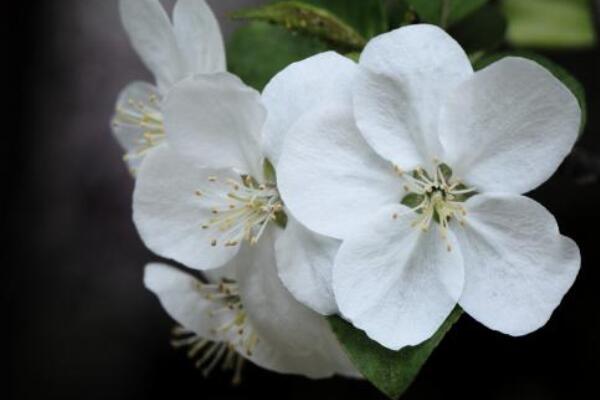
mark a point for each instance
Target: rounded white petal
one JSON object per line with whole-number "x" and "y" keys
{"x": 509, "y": 126}
{"x": 302, "y": 338}
{"x": 199, "y": 37}
{"x": 179, "y": 294}
{"x": 216, "y": 119}
{"x": 325, "y": 77}
{"x": 227, "y": 271}
{"x": 517, "y": 265}
{"x": 305, "y": 264}
{"x": 138, "y": 121}
{"x": 152, "y": 37}
{"x": 329, "y": 177}
{"x": 169, "y": 214}
{"x": 396, "y": 282}
{"x": 404, "y": 78}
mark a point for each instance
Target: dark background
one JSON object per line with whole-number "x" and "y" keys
{"x": 80, "y": 324}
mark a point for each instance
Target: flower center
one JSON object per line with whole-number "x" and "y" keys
{"x": 436, "y": 197}
{"x": 243, "y": 212}
{"x": 226, "y": 296}
{"x": 232, "y": 334}
{"x": 146, "y": 116}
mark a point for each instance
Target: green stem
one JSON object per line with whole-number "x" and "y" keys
{"x": 445, "y": 13}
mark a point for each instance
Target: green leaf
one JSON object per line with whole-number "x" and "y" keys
{"x": 368, "y": 17}
{"x": 483, "y": 30}
{"x": 445, "y": 12}
{"x": 399, "y": 13}
{"x": 550, "y": 23}
{"x": 307, "y": 19}
{"x": 392, "y": 372}
{"x": 258, "y": 51}
{"x": 354, "y": 56}
{"x": 559, "y": 72}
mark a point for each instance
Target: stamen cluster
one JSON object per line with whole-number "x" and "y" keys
{"x": 226, "y": 296}
{"x": 436, "y": 197}
{"x": 209, "y": 353}
{"x": 143, "y": 114}
{"x": 244, "y": 212}
{"x": 233, "y": 331}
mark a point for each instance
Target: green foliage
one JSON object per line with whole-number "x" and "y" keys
{"x": 550, "y": 23}
{"x": 310, "y": 20}
{"x": 481, "y": 31}
{"x": 392, "y": 372}
{"x": 559, "y": 72}
{"x": 272, "y": 41}
{"x": 445, "y": 12}
{"x": 354, "y": 56}
{"x": 399, "y": 13}
{"x": 367, "y": 17}
{"x": 258, "y": 51}
{"x": 283, "y": 32}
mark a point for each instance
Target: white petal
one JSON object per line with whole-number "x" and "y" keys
{"x": 329, "y": 178}
{"x": 325, "y": 78}
{"x": 152, "y": 36}
{"x": 395, "y": 282}
{"x": 305, "y": 263}
{"x": 302, "y": 337}
{"x": 181, "y": 297}
{"x": 509, "y": 126}
{"x": 138, "y": 121}
{"x": 404, "y": 77}
{"x": 169, "y": 215}
{"x": 227, "y": 271}
{"x": 216, "y": 119}
{"x": 517, "y": 265}
{"x": 199, "y": 37}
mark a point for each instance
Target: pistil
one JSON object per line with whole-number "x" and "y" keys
{"x": 436, "y": 197}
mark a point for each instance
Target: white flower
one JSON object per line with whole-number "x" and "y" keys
{"x": 208, "y": 197}
{"x": 457, "y": 149}
{"x": 243, "y": 312}
{"x": 192, "y": 44}
{"x": 204, "y": 195}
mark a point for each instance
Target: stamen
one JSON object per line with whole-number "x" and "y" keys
{"x": 441, "y": 198}
{"x": 145, "y": 115}
{"x": 242, "y": 213}
{"x": 234, "y": 334}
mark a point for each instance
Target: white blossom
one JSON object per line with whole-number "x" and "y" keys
{"x": 242, "y": 312}
{"x": 421, "y": 173}
{"x": 172, "y": 50}
{"x": 208, "y": 197}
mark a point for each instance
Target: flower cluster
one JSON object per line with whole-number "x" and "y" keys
{"x": 388, "y": 191}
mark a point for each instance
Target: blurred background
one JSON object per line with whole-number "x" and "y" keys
{"x": 80, "y": 325}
